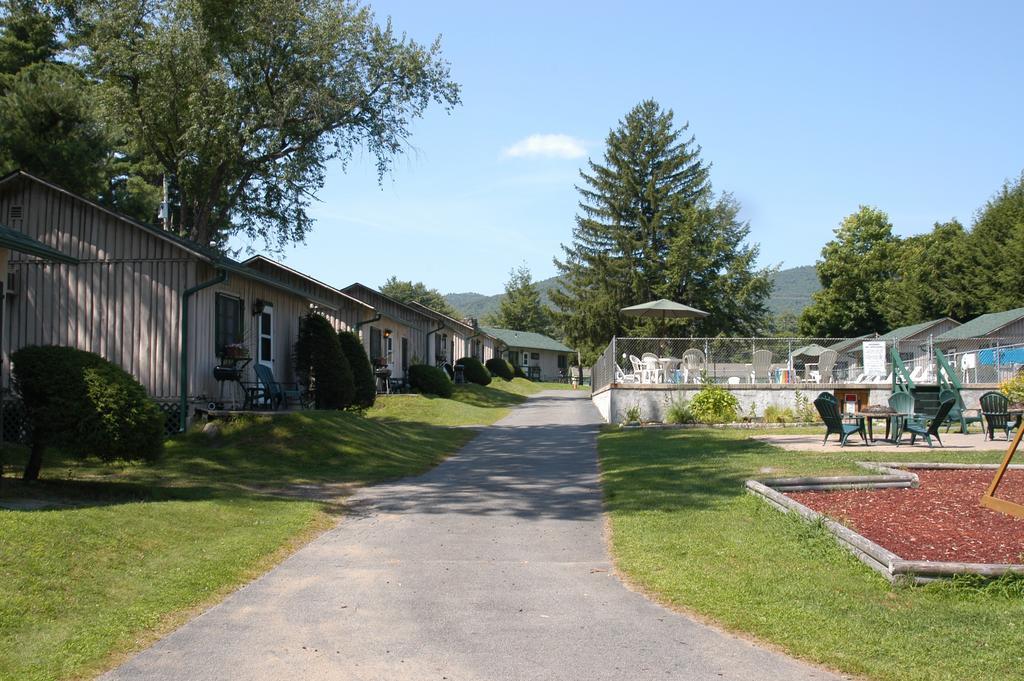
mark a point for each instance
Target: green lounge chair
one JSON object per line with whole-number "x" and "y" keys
{"x": 932, "y": 428}
{"x": 995, "y": 407}
{"x": 828, "y": 409}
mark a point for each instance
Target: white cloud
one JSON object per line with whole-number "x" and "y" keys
{"x": 548, "y": 146}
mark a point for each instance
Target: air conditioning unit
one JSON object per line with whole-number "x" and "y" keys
{"x": 11, "y": 284}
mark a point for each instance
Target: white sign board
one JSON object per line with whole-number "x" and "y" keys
{"x": 874, "y": 358}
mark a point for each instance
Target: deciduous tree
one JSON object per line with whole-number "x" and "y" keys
{"x": 417, "y": 292}
{"x": 857, "y": 270}
{"x": 243, "y": 104}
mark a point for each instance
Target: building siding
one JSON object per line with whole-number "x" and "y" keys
{"x": 404, "y": 322}
{"x": 120, "y": 301}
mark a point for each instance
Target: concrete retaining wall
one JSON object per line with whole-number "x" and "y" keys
{"x": 654, "y": 400}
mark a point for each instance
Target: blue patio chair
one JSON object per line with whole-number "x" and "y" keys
{"x": 272, "y": 392}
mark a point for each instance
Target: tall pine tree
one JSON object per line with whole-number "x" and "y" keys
{"x": 650, "y": 227}
{"x": 521, "y": 308}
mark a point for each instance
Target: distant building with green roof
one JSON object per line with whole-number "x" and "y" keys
{"x": 1006, "y": 324}
{"x": 540, "y": 357}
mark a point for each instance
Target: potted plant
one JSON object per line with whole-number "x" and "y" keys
{"x": 234, "y": 351}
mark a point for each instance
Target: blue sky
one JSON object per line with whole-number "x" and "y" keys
{"x": 804, "y": 110}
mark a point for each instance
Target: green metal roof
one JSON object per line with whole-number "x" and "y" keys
{"x": 525, "y": 339}
{"x": 912, "y": 329}
{"x": 16, "y": 241}
{"x": 848, "y": 344}
{"x": 983, "y": 325}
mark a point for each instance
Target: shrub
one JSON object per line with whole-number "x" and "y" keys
{"x": 430, "y": 380}
{"x": 805, "y": 410}
{"x": 517, "y": 372}
{"x": 1013, "y": 388}
{"x": 632, "y": 414}
{"x": 678, "y": 411}
{"x": 774, "y": 414}
{"x": 474, "y": 371}
{"x": 500, "y": 368}
{"x": 362, "y": 373}
{"x": 86, "y": 405}
{"x": 714, "y": 404}
{"x": 320, "y": 363}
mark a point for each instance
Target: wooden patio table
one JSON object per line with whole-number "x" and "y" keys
{"x": 890, "y": 415}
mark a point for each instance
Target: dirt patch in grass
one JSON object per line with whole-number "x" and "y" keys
{"x": 941, "y": 520}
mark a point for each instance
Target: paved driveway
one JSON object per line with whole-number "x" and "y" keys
{"x": 490, "y": 567}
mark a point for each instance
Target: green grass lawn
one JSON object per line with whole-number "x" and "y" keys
{"x": 522, "y": 386}
{"x": 470, "y": 405}
{"x": 684, "y": 530}
{"x": 126, "y": 552}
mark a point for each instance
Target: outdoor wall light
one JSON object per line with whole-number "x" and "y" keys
{"x": 258, "y": 306}
{"x": 387, "y": 333}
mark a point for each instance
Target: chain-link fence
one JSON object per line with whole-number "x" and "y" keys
{"x": 807, "y": 360}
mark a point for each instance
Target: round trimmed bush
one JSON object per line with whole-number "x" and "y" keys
{"x": 714, "y": 404}
{"x": 362, "y": 372}
{"x": 474, "y": 371}
{"x": 430, "y": 380}
{"x": 320, "y": 363}
{"x": 500, "y": 368}
{"x": 517, "y": 372}
{"x": 82, "y": 403}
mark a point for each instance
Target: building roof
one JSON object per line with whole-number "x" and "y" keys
{"x": 847, "y": 344}
{"x": 16, "y": 241}
{"x": 205, "y": 253}
{"x": 914, "y": 329}
{"x": 452, "y": 321}
{"x": 316, "y": 282}
{"x": 525, "y": 339}
{"x": 984, "y": 325}
{"x": 355, "y": 289}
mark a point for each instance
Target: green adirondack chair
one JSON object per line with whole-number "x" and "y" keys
{"x": 903, "y": 404}
{"x": 958, "y": 414}
{"x": 828, "y": 409}
{"x": 931, "y": 429}
{"x": 995, "y": 408}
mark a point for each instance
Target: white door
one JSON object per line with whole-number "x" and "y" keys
{"x": 266, "y": 344}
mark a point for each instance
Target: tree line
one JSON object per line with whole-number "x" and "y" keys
{"x": 874, "y": 281}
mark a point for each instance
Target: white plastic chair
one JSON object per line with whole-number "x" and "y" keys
{"x": 622, "y": 377}
{"x": 692, "y": 363}
{"x": 653, "y": 368}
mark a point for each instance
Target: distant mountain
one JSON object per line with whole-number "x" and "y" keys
{"x": 478, "y": 305}
{"x": 792, "y": 293}
{"x": 793, "y": 289}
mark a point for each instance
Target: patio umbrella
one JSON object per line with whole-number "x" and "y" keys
{"x": 812, "y": 350}
{"x": 663, "y": 309}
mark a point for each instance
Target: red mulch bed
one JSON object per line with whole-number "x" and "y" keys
{"x": 942, "y": 519}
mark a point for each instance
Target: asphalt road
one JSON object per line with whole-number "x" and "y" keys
{"x": 491, "y": 567}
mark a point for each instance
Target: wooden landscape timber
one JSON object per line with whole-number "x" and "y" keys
{"x": 885, "y": 562}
